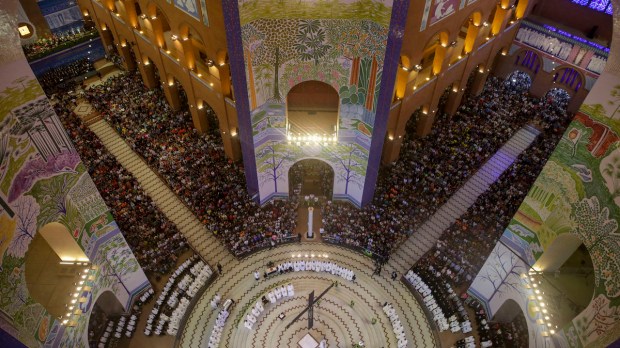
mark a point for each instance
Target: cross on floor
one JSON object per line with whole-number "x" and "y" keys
{"x": 310, "y": 308}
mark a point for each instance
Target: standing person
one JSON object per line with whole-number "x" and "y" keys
{"x": 219, "y": 268}
{"x": 256, "y": 275}
{"x": 394, "y": 275}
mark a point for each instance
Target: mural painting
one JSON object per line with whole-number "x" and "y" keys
{"x": 188, "y": 6}
{"x": 578, "y": 192}
{"x": 436, "y": 10}
{"x": 345, "y": 49}
{"x": 42, "y": 180}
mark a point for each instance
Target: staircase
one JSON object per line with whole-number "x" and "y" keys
{"x": 427, "y": 235}
{"x": 201, "y": 240}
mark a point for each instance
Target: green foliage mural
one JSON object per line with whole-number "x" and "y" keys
{"x": 310, "y": 41}
{"x": 338, "y": 42}
{"x": 578, "y": 193}
{"x": 42, "y": 180}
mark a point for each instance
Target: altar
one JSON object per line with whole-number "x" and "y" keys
{"x": 308, "y": 342}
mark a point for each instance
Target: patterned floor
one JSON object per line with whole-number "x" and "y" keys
{"x": 336, "y": 319}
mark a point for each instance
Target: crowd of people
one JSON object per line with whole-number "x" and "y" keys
{"x": 62, "y": 77}
{"x": 429, "y": 170}
{"x": 194, "y": 165}
{"x": 48, "y": 45}
{"x": 155, "y": 240}
{"x": 463, "y": 248}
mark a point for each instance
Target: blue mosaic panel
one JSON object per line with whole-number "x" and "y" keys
{"x": 597, "y": 5}
{"x": 188, "y": 6}
{"x": 205, "y": 16}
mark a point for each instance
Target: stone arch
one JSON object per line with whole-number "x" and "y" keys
{"x": 320, "y": 101}
{"x": 528, "y": 59}
{"x": 566, "y": 75}
{"x": 104, "y": 308}
{"x": 298, "y": 184}
{"x": 160, "y": 27}
{"x": 507, "y": 311}
{"x": 569, "y": 275}
{"x": 194, "y": 48}
{"x": 54, "y": 264}
{"x": 433, "y": 55}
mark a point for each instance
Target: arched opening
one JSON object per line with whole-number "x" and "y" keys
{"x": 443, "y": 100}
{"x": 496, "y": 58}
{"x": 433, "y": 57}
{"x": 157, "y": 27}
{"x": 565, "y": 277}
{"x": 529, "y": 60}
{"x": 101, "y": 323}
{"x": 569, "y": 78}
{"x": 558, "y": 97}
{"x": 412, "y": 125}
{"x": 311, "y": 177}
{"x": 470, "y": 83}
{"x": 312, "y": 110}
{"x": 508, "y": 326}
{"x": 213, "y": 123}
{"x": 107, "y": 39}
{"x": 459, "y": 43}
{"x": 55, "y": 266}
{"x": 518, "y": 82}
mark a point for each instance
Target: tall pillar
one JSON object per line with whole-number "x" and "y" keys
{"x": 401, "y": 83}
{"x": 472, "y": 34}
{"x": 520, "y": 10}
{"x": 130, "y": 12}
{"x": 172, "y": 95}
{"x": 199, "y": 113}
{"x": 498, "y": 20}
{"x": 479, "y": 80}
{"x": 106, "y": 37}
{"x": 440, "y": 57}
{"x": 148, "y": 75}
{"x": 225, "y": 83}
{"x": 158, "y": 32}
{"x": 125, "y": 53}
{"x": 189, "y": 53}
{"x": 454, "y": 101}
{"x": 425, "y": 124}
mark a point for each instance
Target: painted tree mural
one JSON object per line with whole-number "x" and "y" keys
{"x": 599, "y": 319}
{"x": 615, "y": 101}
{"x": 273, "y": 159}
{"x": 27, "y": 211}
{"x": 270, "y": 42}
{"x": 118, "y": 264}
{"x": 311, "y": 45}
{"x": 610, "y": 170}
{"x": 350, "y": 162}
{"x": 502, "y": 271}
{"x": 599, "y": 234}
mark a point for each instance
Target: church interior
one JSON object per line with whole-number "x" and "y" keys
{"x": 309, "y": 173}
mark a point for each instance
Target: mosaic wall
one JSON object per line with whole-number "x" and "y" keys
{"x": 42, "y": 181}
{"x": 577, "y": 193}
{"x": 338, "y": 42}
